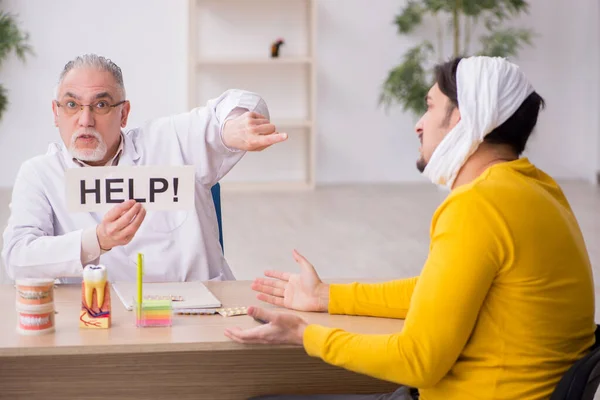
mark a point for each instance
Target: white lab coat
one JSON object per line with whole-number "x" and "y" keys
{"x": 43, "y": 239}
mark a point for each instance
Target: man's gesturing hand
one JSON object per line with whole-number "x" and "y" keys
{"x": 304, "y": 291}
{"x": 278, "y": 328}
{"x": 251, "y": 132}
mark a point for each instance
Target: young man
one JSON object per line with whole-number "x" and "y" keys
{"x": 505, "y": 302}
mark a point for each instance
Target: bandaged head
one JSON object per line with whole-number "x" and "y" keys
{"x": 489, "y": 91}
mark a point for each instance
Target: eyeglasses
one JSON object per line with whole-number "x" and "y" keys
{"x": 100, "y": 107}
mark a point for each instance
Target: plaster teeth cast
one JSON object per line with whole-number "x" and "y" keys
{"x": 35, "y": 291}
{"x": 94, "y": 279}
{"x": 35, "y": 319}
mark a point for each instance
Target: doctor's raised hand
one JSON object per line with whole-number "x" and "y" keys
{"x": 251, "y": 131}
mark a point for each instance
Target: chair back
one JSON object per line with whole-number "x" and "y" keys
{"x": 216, "y": 196}
{"x": 582, "y": 379}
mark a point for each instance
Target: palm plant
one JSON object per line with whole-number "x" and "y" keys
{"x": 12, "y": 39}
{"x": 408, "y": 83}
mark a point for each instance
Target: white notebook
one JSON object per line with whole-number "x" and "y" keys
{"x": 194, "y": 295}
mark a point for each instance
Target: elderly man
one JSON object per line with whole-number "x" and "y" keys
{"x": 43, "y": 239}
{"x": 505, "y": 302}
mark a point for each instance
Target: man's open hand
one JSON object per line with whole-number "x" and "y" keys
{"x": 278, "y": 328}
{"x": 251, "y": 132}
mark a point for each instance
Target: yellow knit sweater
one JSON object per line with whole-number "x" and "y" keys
{"x": 504, "y": 304}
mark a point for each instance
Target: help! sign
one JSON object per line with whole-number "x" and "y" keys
{"x": 93, "y": 189}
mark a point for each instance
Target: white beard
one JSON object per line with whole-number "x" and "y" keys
{"x": 92, "y": 155}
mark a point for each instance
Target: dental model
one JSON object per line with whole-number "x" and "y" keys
{"x": 35, "y": 319}
{"x": 32, "y": 292}
{"x": 95, "y": 298}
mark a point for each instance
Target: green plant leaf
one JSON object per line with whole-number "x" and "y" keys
{"x": 475, "y": 8}
{"x": 3, "y": 100}
{"x": 516, "y": 6}
{"x": 435, "y": 6}
{"x": 408, "y": 83}
{"x": 410, "y": 17}
{"x": 505, "y": 42}
{"x": 12, "y": 38}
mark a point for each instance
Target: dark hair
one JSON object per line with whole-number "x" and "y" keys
{"x": 515, "y": 131}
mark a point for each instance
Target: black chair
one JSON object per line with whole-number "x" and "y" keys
{"x": 582, "y": 379}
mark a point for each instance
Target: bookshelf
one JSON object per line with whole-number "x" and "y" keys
{"x": 229, "y": 47}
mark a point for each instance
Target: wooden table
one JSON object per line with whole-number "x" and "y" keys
{"x": 190, "y": 360}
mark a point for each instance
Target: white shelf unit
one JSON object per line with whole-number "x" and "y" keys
{"x": 229, "y": 47}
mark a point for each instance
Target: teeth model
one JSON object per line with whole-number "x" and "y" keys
{"x": 34, "y": 321}
{"x": 33, "y": 294}
{"x": 35, "y": 291}
{"x": 94, "y": 279}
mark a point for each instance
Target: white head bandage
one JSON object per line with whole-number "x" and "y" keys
{"x": 489, "y": 91}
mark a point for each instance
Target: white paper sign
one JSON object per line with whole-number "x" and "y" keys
{"x": 92, "y": 189}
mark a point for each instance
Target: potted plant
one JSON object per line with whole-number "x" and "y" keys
{"x": 408, "y": 83}
{"x": 12, "y": 39}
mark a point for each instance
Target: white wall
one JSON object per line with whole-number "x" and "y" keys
{"x": 357, "y": 140}
{"x": 564, "y": 66}
{"x": 357, "y": 45}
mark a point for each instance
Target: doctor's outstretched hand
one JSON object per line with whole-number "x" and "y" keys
{"x": 120, "y": 224}
{"x": 251, "y": 132}
{"x": 303, "y": 292}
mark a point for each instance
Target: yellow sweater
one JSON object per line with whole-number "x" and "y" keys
{"x": 504, "y": 304}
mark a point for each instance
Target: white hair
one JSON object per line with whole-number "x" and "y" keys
{"x": 93, "y": 61}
